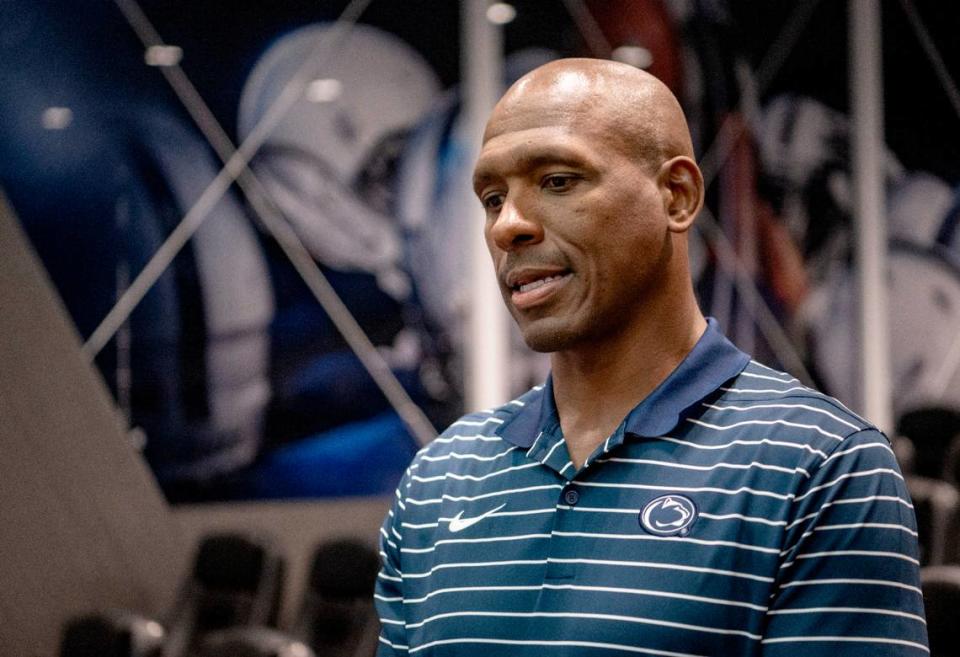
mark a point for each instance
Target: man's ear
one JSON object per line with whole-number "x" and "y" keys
{"x": 682, "y": 186}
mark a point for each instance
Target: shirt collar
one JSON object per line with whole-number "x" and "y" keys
{"x": 712, "y": 361}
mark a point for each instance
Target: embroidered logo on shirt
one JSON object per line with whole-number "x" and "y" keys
{"x": 459, "y": 523}
{"x": 669, "y": 515}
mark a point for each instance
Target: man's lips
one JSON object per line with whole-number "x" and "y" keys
{"x": 530, "y": 287}
{"x": 521, "y": 276}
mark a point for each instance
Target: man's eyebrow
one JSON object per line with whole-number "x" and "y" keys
{"x": 481, "y": 177}
{"x": 484, "y": 173}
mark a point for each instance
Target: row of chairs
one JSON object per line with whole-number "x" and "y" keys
{"x": 928, "y": 443}
{"x": 229, "y": 607}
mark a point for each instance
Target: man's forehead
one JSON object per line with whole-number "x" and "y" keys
{"x": 549, "y": 118}
{"x": 604, "y": 102}
{"x": 567, "y": 100}
{"x": 549, "y": 133}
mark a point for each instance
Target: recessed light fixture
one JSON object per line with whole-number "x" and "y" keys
{"x": 324, "y": 90}
{"x": 163, "y": 55}
{"x": 56, "y": 118}
{"x": 298, "y": 649}
{"x": 154, "y": 629}
{"x": 633, "y": 55}
{"x": 501, "y": 13}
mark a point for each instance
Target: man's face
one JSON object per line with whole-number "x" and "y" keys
{"x": 577, "y": 228}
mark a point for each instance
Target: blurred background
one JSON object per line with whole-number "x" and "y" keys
{"x": 241, "y": 282}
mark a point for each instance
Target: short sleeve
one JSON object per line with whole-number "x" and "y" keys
{"x": 848, "y": 583}
{"x": 388, "y": 596}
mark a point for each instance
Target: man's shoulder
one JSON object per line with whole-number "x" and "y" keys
{"x": 763, "y": 394}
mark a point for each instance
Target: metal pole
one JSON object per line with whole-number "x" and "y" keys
{"x": 487, "y": 341}
{"x": 867, "y": 147}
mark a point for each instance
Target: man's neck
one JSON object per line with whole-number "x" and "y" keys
{"x": 595, "y": 387}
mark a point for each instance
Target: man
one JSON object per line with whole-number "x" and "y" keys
{"x": 661, "y": 494}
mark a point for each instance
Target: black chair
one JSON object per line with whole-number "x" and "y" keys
{"x": 251, "y": 642}
{"x": 931, "y": 429}
{"x": 236, "y": 581}
{"x": 113, "y": 633}
{"x": 936, "y": 504}
{"x": 941, "y": 599}
{"x": 337, "y": 617}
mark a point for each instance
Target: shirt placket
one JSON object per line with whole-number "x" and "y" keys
{"x": 551, "y": 450}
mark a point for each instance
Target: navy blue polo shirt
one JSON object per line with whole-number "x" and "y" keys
{"x": 733, "y": 512}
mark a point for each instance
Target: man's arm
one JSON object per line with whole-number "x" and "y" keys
{"x": 849, "y": 575}
{"x": 388, "y": 596}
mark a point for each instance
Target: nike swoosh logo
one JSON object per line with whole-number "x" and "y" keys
{"x": 459, "y": 523}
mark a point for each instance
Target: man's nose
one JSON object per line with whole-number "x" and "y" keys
{"x": 515, "y": 226}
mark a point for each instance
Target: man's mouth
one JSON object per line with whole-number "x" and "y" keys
{"x": 532, "y": 288}
{"x": 540, "y": 282}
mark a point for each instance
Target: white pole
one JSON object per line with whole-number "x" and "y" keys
{"x": 487, "y": 341}
{"x": 867, "y": 146}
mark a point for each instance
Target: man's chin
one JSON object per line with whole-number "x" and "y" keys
{"x": 547, "y": 339}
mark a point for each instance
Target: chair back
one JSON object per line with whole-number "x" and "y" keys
{"x": 936, "y": 505}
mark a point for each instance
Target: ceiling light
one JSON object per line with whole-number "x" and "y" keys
{"x": 163, "y": 55}
{"x": 298, "y": 649}
{"x": 154, "y": 629}
{"x": 633, "y": 55}
{"x": 324, "y": 90}
{"x": 56, "y": 118}
{"x": 501, "y": 13}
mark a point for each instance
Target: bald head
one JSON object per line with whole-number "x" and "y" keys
{"x": 615, "y": 102}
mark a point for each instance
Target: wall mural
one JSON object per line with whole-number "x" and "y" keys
{"x": 233, "y": 375}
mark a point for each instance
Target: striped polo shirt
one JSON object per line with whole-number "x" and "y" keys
{"x": 733, "y": 512}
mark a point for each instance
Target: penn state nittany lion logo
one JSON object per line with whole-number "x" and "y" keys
{"x": 669, "y": 515}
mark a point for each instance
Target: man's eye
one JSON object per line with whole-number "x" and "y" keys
{"x": 557, "y": 182}
{"x": 492, "y": 201}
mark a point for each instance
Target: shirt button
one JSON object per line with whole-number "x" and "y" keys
{"x": 571, "y": 496}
